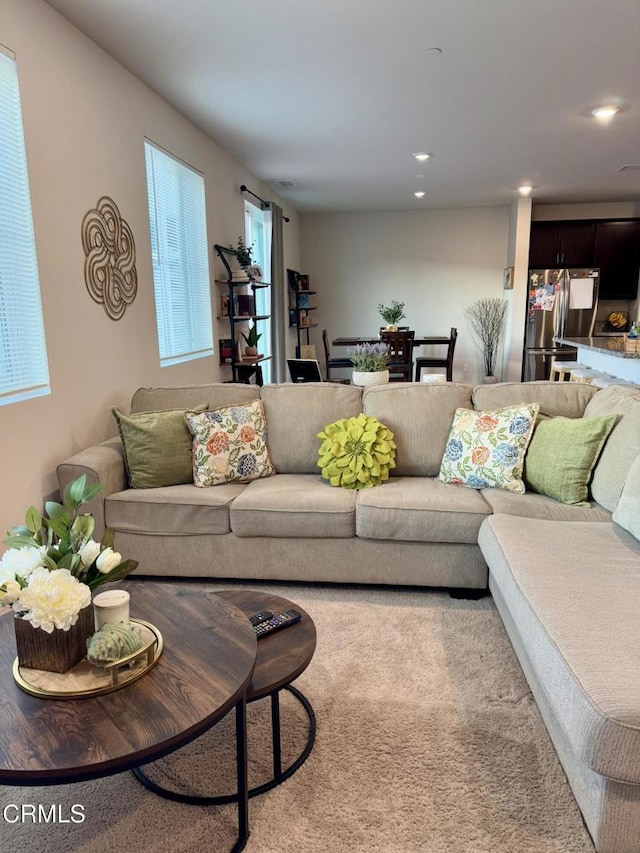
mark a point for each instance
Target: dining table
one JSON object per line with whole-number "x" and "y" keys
{"x": 424, "y": 340}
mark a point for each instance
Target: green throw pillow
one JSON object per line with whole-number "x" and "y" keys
{"x": 157, "y": 447}
{"x": 562, "y": 455}
{"x": 356, "y": 453}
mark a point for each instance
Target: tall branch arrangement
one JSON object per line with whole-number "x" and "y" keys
{"x": 486, "y": 319}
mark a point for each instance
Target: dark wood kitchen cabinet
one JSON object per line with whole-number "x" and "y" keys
{"x": 561, "y": 244}
{"x": 612, "y": 245}
{"x": 617, "y": 254}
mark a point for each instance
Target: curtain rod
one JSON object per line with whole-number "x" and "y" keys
{"x": 245, "y": 189}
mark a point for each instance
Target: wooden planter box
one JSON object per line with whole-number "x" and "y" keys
{"x": 55, "y": 652}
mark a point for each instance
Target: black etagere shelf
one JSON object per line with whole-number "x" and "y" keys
{"x": 239, "y": 307}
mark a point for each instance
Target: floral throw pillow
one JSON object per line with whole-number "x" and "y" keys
{"x": 230, "y": 445}
{"x": 487, "y": 449}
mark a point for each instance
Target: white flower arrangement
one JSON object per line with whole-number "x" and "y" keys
{"x": 53, "y": 565}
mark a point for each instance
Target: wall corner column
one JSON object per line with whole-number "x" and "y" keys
{"x": 518, "y": 258}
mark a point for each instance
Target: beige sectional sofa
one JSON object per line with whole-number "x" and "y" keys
{"x": 566, "y": 579}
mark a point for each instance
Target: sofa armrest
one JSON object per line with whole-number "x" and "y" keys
{"x": 102, "y": 463}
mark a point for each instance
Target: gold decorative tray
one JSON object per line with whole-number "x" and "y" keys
{"x": 84, "y": 680}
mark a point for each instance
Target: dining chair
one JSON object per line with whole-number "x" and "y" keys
{"x": 426, "y": 361}
{"x": 332, "y": 361}
{"x": 400, "y": 354}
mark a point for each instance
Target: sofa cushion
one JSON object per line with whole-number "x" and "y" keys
{"x": 555, "y": 398}
{"x": 576, "y": 612}
{"x": 532, "y": 505}
{"x": 174, "y": 510}
{"x": 420, "y": 417}
{"x": 297, "y": 413}
{"x": 157, "y": 447}
{"x": 486, "y": 449}
{"x": 627, "y": 513}
{"x": 420, "y": 509}
{"x": 562, "y": 454}
{"x": 229, "y": 445}
{"x": 190, "y": 396}
{"x": 356, "y": 453}
{"x": 294, "y": 506}
{"x": 623, "y": 445}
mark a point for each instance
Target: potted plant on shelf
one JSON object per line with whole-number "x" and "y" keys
{"x": 486, "y": 318}
{"x": 370, "y": 364}
{"x": 392, "y": 314}
{"x": 243, "y": 256}
{"x": 251, "y": 339}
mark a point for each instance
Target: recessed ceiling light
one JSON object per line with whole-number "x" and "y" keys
{"x": 421, "y": 156}
{"x": 605, "y": 113}
{"x": 525, "y": 189}
{"x": 419, "y": 194}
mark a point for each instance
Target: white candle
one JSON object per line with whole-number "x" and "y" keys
{"x": 111, "y": 606}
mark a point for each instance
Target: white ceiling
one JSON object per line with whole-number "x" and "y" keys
{"x": 335, "y": 95}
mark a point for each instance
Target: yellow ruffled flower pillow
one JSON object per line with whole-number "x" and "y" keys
{"x": 356, "y": 453}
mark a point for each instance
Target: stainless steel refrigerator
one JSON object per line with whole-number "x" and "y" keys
{"x": 561, "y": 303}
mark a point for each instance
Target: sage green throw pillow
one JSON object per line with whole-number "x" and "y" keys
{"x": 562, "y": 454}
{"x": 157, "y": 447}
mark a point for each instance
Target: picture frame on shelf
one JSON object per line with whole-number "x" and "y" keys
{"x": 293, "y": 317}
{"x": 507, "y": 278}
{"x": 303, "y": 281}
{"x": 246, "y": 305}
{"x": 292, "y": 279}
{"x": 308, "y": 351}
{"x": 224, "y": 306}
{"x": 225, "y": 350}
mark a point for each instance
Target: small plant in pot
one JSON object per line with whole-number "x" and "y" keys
{"x": 251, "y": 339}
{"x": 243, "y": 256}
{"x": 392, "y": 314}
{"x": 370, "y": 364}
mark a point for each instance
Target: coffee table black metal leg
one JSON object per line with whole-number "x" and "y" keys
{"x": 275, "y": 736}
{"x": 280, "y": 775}
{"x": 243, "y": 775}
{"x": 242, "y": 795}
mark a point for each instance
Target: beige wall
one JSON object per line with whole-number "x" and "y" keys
{"x": 85, "y": 120}
{"x": 437, "y": 262}
{"x": 596, "y": 210}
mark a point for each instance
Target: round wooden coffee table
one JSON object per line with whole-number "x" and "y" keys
{"x": 282, "y": 657}
{"x": 204, "y": 671}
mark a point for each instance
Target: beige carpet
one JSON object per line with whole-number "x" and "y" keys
{"x": 428, "y": 740}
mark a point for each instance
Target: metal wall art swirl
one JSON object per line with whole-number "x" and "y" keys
{"x": 110, "y": 258}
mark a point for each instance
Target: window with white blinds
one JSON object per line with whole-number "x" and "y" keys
{"x": 177, "y": 220}
{"x": 24, "y": 371}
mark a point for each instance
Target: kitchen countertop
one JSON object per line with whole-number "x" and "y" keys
{"x": 601, "y": 343}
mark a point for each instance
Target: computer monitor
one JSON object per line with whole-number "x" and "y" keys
{"x": 304, "y": 370}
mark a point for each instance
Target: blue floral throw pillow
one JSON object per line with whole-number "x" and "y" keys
{"x": 230, "y": 445}
{"x": 487, "y": 449}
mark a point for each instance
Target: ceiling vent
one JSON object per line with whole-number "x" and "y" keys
{"x": 632, "y": 167}
{"x": 285, "y": 184}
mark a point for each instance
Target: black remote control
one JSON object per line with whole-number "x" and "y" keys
{"x": 258, "y": 618}
{"x": 289, "y": 617}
